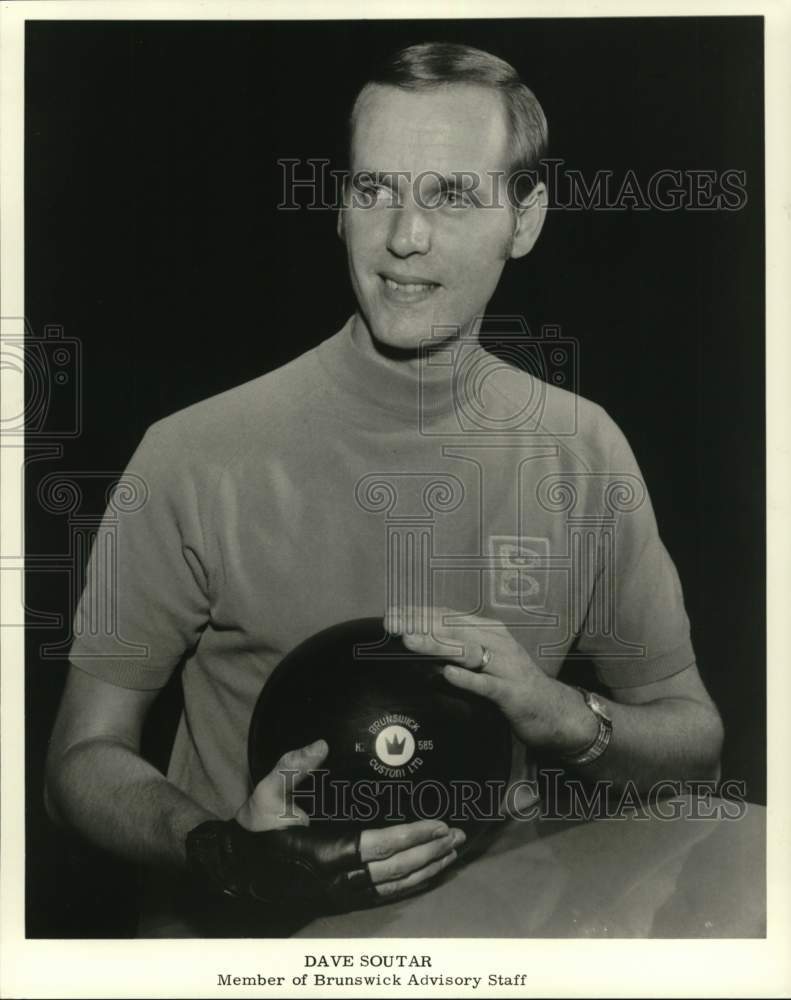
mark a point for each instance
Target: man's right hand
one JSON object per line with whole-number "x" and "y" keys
{"x": 384, "y": 863}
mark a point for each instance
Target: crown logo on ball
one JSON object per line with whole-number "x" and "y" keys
{"x": 395, "y": 746}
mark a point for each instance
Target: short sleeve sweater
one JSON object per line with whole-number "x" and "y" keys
{"x": 331, "y": 487}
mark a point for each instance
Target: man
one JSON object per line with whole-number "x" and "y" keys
{"x": 265, "y": 522}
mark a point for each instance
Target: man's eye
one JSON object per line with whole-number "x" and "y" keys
{"x": 457, "y": 199}
{"x": 376, "y": 194}
{"x": 451, "y": 198}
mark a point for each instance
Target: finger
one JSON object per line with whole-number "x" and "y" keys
{"x": 293, "y": 767}
{"x": 415, "y": 880}
{"x": 422, "y": 619}
{"x": 486, "y": 685}
{"x": 376, "y": 845}
{"x": 468, "y": 619}
{"x": 453, "y": 636}
{"x": 414, "y": 618}
{"x": 302, "y": 761}
{"x": 467, "y": 653}
{"x": 410, "y": 618}
{"x": 405, "y": 862}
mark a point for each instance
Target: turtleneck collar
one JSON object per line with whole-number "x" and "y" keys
{"x": 377, "y": 384}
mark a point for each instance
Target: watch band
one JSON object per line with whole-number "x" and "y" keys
{"x": 602, "y": 740}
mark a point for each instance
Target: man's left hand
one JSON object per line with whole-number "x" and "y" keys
{"x": 484, "y": 658}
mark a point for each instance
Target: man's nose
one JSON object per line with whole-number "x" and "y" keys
{"x": 410, "y": 231}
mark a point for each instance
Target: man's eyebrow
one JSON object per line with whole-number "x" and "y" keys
{"x": 388, "y": 178}
{"x": 447, "y": 182}
{"x": 457, "y": 181}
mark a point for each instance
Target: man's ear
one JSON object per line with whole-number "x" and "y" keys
{"x": 530, "y": 215}
{"x": 340, "y": 222}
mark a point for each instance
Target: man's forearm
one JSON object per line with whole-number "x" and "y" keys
{"x": 670, "y": 739}
{"x": 107, "y": 792}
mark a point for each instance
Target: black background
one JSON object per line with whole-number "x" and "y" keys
{"x": 152, "y": 237}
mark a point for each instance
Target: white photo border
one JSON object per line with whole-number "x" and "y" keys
{"x": 606, "y": 968}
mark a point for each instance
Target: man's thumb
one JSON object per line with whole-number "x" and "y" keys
{"x": 292, "y": 768}
{"x": 297, "y": 764}
{"x": 270, "y": 804}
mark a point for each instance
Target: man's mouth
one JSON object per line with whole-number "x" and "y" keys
{"x": 407, "y": 289}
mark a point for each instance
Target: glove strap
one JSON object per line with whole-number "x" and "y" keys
{"x": 296, "y": 866}
{"x": 210, "y": 856}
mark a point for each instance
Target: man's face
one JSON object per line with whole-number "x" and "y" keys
{"x": 422, "y": 258}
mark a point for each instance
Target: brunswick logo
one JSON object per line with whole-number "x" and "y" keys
{"x": 395, "y": 746}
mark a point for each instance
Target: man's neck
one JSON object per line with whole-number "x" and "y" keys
{"x": 396, "y": 358}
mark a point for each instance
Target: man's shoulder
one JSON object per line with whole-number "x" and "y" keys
{"x": 266, "y": 405}
{"x": 553, "y": 411}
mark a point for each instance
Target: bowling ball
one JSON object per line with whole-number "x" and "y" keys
{"x": 404, "y": 744}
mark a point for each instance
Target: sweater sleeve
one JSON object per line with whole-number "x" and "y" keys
{"x": 636, "y": 629}
{"x": 146, "y": 601}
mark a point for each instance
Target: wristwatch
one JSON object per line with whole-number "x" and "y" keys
{"x": 602, "y": 741}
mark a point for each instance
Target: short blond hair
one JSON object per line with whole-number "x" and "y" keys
{"x": 433, "y": 64}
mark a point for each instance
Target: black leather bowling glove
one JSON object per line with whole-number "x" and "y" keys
{"x": 305, "y": 868}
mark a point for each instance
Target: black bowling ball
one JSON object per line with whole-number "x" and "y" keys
{"x": 404, "y": 744}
